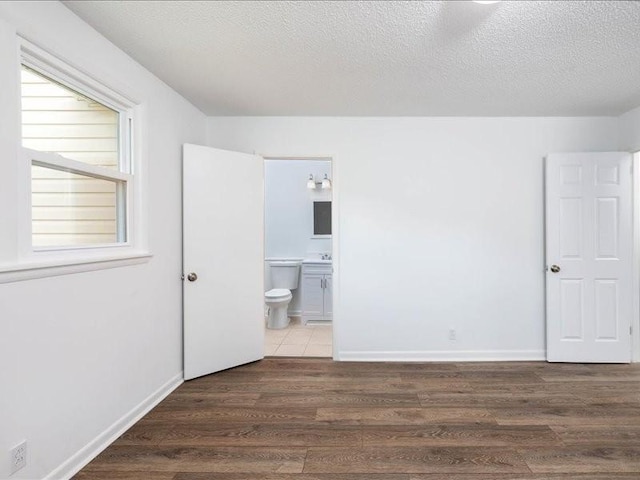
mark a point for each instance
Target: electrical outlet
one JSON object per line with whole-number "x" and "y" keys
{"x": 18, "y": 457}
{"x": 452, "y": 334}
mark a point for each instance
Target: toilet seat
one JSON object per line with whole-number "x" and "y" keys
{"x": 277, "y": 294}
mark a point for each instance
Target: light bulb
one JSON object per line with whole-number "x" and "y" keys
{"x": 311, "y": 184}
{"x": 326, "y": 183}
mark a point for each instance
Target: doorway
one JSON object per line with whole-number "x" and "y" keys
{"x": 298, "y": 261}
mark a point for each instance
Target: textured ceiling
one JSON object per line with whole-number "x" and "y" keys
{"x": 511, "y": 58}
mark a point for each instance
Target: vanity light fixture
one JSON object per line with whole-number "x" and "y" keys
{"x": 311, "y": 183}
{"x": 326, "y": 183}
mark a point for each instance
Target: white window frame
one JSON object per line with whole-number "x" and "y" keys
{"x": 35, "y": 262}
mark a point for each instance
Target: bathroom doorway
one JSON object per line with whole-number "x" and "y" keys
{"x": 299, "y": 264}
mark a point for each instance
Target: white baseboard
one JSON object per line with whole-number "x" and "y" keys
{"x": 443, "y": 356}
{"x": 92, "y": 449}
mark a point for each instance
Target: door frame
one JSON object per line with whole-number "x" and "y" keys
{"x": 335, "y": 234}
{"x": 635, "y": 320}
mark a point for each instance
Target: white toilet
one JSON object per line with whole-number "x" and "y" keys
{"x": 284, "y": 278}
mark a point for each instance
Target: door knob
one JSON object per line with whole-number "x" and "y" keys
{"x": 192, "y": 277}
{"x": 554, "y": 269}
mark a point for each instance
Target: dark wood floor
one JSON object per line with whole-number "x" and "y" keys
{"x": 314, "y": 419}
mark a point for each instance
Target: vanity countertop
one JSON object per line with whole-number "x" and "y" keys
{"x": 317, "y": 258}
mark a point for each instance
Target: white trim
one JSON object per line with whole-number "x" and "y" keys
{"x": 320, "y": 157}
{"x": 32, "y": 270}
{"x": 63, "y": 72}
{"x": 442, "y": 355}
{"x": 335, "y": 236}
{"x": 46, "y": 261}
{"x": 58, "y": 162}
{"x": 335, "y": 256}
{"x": 82, "y": 457}
{"x": 635, "y": 319}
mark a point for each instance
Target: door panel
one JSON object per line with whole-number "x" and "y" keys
{"x": 589, "y": 237}
{"x": 571, "y": 311}
{"x": 313, "y": 302}
{"x": 223, "y": 244}
{"x": 328, "y": 296}
{"x": 607, "y": 321}
{"x": 570, "y": 226}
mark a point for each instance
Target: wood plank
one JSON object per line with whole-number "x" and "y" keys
{"x": 173, "y": 413}
{"x": 525, "y": 476}
{"x": 630, "y": 375}
{"x": 340, "y": 399}
{"x": 602, "y": 435}
{"x": 464, "y": 435}
{"x": 584, "y": 460}
{"x": 286, "y": 476}
{"x": 356, "y": 386}
{"x": 262, "y": 435}
{"x": 182, "y": 398}
{"x": 414, "y": 460}
{"x": 583, "y": 389}
{"x": 199, "y": 459}
{"x": 111, "y": 475}
{"x": 144, "y": 433}
{"x": 600, "y": 415}
{"x": 403, "y": 416}
{"x": 276, "y": 365}
{"x": 499, "y": 400}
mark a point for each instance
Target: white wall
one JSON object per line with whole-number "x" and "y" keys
{"x": 629, "y": 125}
{"x": 289, "y": 206}
{"x": 80, "y": 352}
{"x": 440, "y": 225}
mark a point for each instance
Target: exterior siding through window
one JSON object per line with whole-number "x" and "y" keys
{"x": 69, "y": 209}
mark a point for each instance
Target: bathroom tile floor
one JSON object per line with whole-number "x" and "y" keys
{"x": 299, "y": 340}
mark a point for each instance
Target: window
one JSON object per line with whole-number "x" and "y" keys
{"x": 78, "y": 142}
{"x": 74, "y": 199}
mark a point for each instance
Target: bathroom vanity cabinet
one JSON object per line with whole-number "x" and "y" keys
{"x": 317, "y": 292}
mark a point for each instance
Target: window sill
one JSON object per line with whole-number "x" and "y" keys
{"x": 40, "y": 269}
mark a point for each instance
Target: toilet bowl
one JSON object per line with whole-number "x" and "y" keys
{"x": 284, "y": 278}
{"x": 277, "y": 299}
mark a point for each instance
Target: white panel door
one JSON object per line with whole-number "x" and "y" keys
{"x": 223, "y": 245}
{"x": 589, "y": 257}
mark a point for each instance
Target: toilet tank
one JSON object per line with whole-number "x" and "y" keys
{"x": 284, "y": 274}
